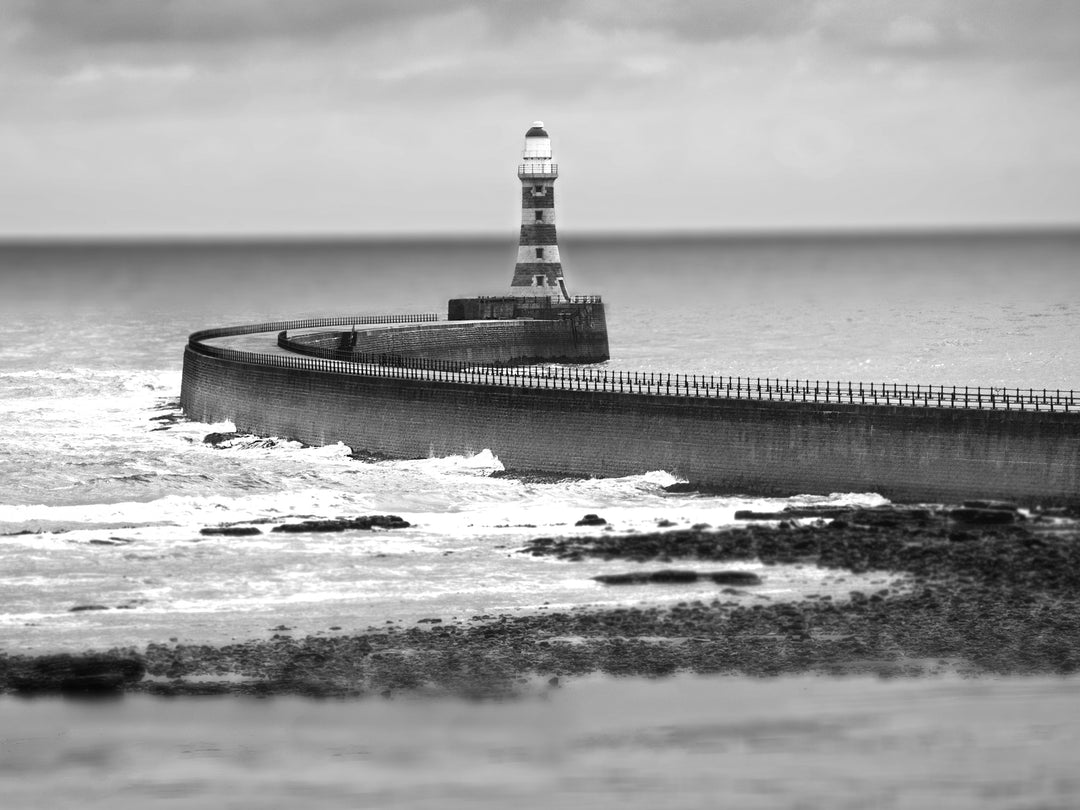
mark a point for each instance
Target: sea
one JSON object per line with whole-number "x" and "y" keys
{"x": 104, "y": 486}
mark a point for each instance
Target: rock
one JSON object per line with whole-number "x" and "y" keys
{"x": 230, "y": 531}
{"x": 677, "y": 577}
{"x": 218, "y": 438}
{"x": 364, "y": 523}
{"x": 370, "y": 456}
{"x": 621, "y": 579}
{"x": 591, "y": 520}
{"x": 535, "y": 477}
{"x": 75, "y": 674}
{"x": 734, "y": 578}
{"x": 890, "y": 517}
{"x": 641, "y": 577}
{"x": 982, "y": 517}
{"x": 79, "y": 608}
{"x": 792, "y": 512}
{"x": 685, "y": 488}
{"x": 681, "y": 488}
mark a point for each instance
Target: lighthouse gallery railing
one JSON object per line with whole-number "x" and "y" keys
{"x": 538, "y": 170}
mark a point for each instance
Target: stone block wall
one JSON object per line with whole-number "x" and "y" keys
{"x": 742, "y": 446}
{"x": 501, "y": 342}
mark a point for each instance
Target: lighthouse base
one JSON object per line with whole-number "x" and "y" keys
{"x": 564, "y": 332}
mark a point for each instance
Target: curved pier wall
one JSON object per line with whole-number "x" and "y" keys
{"x": 481, "y": 342}
{"x": 743, "y": 446}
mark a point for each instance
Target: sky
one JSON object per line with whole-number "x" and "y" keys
{"x": 368, "y": 117}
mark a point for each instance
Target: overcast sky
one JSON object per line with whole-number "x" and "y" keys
{"x": 375, "y": 116}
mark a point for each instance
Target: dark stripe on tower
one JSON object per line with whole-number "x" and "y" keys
{"x": 538, "y": 234}
{"x": 526, "y": 272}
{"x": 531, "y": 200}
{"x": 552, "y": 269}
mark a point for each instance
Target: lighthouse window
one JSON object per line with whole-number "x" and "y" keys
{"x": 539, "y": 253}
{"x": 539, "y": 215}
{"x": 538, "y": 189}
{"x": 539, "y": 281}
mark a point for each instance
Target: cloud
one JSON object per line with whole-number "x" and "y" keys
{"x": 685, "y": 20}
{"x": 974, "y": 30}
{"x": 742, "y": 93}
{"x": 912, "y": 32}
{"x": 140, "y": 22}
{"x": 74, "y": 32}
{"x": 126, "y": 73}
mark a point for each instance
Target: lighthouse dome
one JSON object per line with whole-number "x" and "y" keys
{"x": 537, "y": 143}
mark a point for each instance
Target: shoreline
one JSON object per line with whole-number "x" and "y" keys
{"x": 992, "y": 592}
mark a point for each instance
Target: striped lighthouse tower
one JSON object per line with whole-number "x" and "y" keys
{"x": 538, "y": 270}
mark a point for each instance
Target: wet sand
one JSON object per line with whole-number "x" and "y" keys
{"x": 598, "y": 742}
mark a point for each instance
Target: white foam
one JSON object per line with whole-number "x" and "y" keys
{"x": 178, "y": 509}
{"x": 482, "y": 463}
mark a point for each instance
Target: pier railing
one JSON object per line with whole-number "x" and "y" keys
{"x": 551, "y": 299}
{"x": 596, "y": 380}
{"x": 306, "y": 323}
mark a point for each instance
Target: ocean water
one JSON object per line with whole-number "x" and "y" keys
{"x": 103, "y": 487}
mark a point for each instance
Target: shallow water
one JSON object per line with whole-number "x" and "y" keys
{"x": 595, "y": 743}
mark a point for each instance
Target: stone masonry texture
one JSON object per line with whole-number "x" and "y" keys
{"x": 742, "y": 446}
{"x": 577, "y": 340}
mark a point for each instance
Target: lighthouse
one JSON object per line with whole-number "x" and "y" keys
{"x": 539, "y": 321}
{"x": 538, "y": 271}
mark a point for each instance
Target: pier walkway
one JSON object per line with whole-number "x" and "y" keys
{"x": 267, "y": 344}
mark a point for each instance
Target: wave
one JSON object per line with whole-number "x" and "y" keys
{"x": 191, "y": 510}
{"x": 78, "y": 380}
{"x": 249, "y": 478}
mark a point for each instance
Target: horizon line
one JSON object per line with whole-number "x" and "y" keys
{"x": 302, "y": 237}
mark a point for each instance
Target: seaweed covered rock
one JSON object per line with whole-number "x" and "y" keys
{"x": 74, "y": 674}
{"x": 215, "y": 439}
{"x": 679, "y": 577}
{"x": 363, "y": 523}
{"x": 591, "y": 520}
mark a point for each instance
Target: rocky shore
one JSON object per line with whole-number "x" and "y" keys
{"x": 993, "y": 591}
